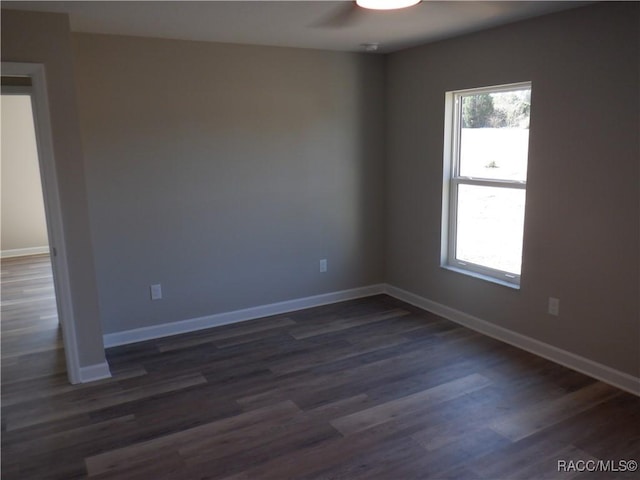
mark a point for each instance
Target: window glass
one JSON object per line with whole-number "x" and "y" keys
{"x": 490, "y": 225}
{"x": 494, "y": 138}
{"x": 486, "y": 160}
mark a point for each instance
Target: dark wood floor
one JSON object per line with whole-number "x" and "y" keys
{"x": 371, "y": 388}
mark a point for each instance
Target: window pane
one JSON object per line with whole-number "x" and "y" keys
{"x": 490, "y": 226}
{"x": 494, "y": 135}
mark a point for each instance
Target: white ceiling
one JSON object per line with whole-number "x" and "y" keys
{"x": 293, "y": 23}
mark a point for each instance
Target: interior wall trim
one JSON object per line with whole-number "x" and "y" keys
{"x": 92, "y": 373}
{"x": 570, "y": 360}
{"x": 226, "y": 318}
{"x": 53, "y": 210}
{"x": 23, "y": 252}
{"x": 581, "y": 364}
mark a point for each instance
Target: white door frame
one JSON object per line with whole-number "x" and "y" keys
{"x": 53, "y": 209}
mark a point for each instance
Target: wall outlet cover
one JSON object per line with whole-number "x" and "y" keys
{"x": 156, "y": 291}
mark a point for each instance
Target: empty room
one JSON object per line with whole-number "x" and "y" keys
{"x": 384, "y": 239}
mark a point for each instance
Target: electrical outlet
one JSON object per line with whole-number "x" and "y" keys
{"x": 323, "y": 265}
{"x": 554, "y": 306}
{"x": 156, "y": 291}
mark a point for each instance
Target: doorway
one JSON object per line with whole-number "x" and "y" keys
{"x": 31, "y": 78}
{"x": 31, "y": 340}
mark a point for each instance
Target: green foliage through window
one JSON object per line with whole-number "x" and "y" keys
{"x": 497, "y": 110}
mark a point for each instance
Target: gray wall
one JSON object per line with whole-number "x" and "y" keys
{"x": 23, "y": 222}
{"x": 226, "y": 172}
{"x": 44, "y": 38}
{"x": 582, "y": 215}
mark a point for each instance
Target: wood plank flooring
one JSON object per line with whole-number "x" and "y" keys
{"x": 371, "y": 388}
{"x": 31, "y": 338}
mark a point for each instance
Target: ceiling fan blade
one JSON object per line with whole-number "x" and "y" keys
{"x": 342, "y": 16}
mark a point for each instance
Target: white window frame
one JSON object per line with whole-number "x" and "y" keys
{"x": 452, "y": 180}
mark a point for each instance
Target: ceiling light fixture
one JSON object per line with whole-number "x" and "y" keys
{"x": 386, "y": 4}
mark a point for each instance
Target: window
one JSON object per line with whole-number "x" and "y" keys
{"x": 485, "y": 180}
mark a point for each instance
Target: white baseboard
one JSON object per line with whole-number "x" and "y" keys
{"x": 581, "y": 364}
{"x": 91, "y": 373}
{"x": 23, "y": 252}
{"x": 225, "y": 318}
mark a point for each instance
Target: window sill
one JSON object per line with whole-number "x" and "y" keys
{"x": 480, "y": 276}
